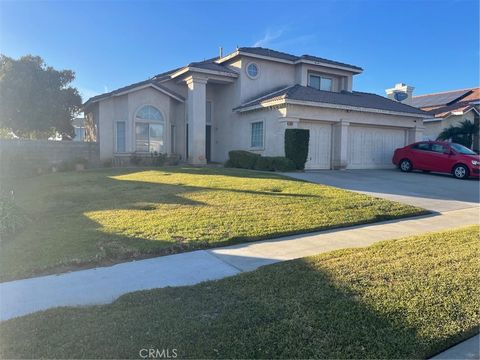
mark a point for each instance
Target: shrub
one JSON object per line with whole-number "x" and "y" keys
{"x": 242, "y": 159}
{"x": 296, "y": 146}
{"x": 172, "y": 159}
{"x": 157, "y": 159}
{"x": 281, "y": 163}
{"x": 135, "y": 159}
{"x": 12, "y": 218}
{"x": 264, "y": 163}
{"x": 274, "y": 163}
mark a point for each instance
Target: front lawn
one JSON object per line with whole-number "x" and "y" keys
{"x": 88, "y": 218}
{"x": 407, "y": 298}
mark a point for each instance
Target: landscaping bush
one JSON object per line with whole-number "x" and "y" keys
{"x": 296, "y": 146}
{"x": 157, "y": 159}
{"x": 136, "y": 160}
{"x": 12, "y": 218}
{"x": 274, "y": 163}
{"x": 281, "y": 163}
{"x": 264, "y": 163}
{"x": 242, "y": 159}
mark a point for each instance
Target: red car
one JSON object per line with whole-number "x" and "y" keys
{"x": 438, "y": 156}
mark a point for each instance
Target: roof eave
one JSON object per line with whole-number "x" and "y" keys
{"x": 355, "y": 70}
{"x": 136, "y": 88}
{"x": 282, "y": 101}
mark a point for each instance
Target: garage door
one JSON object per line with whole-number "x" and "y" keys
{"x": 372, "y": 147}
{"x": 319, "y": 148}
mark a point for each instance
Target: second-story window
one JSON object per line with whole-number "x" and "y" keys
{"x": 320, "y": 82}
{"x": 252, "y": 70}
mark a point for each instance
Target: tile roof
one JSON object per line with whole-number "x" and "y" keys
{"x": 354, "y": 99}
{"x": 284, "y": 56}
{"x": 132, "y": 86}
{"x": 462, "y": 103}
{"x": 437, "y": 99}
{"x": 212, "y": 66}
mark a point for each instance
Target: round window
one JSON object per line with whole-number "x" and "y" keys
{"x": 252, "y": 70}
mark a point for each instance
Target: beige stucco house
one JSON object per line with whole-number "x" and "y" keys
{"x": 246, "y": 100}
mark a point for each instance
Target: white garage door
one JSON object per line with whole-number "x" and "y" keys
{"x": 319, "y": 148}
{"x": 372, "y": 147}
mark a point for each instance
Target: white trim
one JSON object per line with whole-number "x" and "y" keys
{"x": 259, "y": 148}
{"x": 258, "y": 70}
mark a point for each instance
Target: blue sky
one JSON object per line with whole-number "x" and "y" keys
{"x": 432, "y": 45}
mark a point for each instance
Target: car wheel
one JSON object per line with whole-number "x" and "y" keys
{"x": 405, "y": 165}
{"x": 460, "y": 172}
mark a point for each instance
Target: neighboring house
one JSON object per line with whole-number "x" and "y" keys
{"x": 79, "y": 128}
{"x": 246, "y": 100}
{"x": 448, "y": 108}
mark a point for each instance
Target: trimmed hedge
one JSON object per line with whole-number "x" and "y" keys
{"x": 274, "y": 163}
{"x": 242, "y": 159}
{"x": 248, "y": 160}
{"x": 296, "y": 146}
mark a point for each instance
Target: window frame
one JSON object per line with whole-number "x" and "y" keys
{"x": 258, "y": 70}
{"x": 149, "y": 122}
{"x": 262, "y": 147}
{"x": 124, "y": 137}
{"x": 321, "y": 76}
{"x": 416, "y": 146}
{"x": 445, "y": 148}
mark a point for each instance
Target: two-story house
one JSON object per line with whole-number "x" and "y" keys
{"x": 246, "y": 100}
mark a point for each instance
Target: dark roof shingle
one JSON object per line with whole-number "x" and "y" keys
{"x": 284, "y": 56}
{"x": 354, "y": 99}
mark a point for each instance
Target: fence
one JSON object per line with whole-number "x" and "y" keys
{"x": 43, "y": 155}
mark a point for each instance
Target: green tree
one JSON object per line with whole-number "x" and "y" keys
{"x": 461, "y": 133}
{"x": 36, "y": 100}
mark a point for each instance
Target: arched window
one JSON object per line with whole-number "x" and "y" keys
{"x": 149, "y": 130}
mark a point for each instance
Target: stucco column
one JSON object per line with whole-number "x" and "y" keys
{"x": 196, "y": 115}
{"x": 340, "y": 145}
{"x": 415, "y": 134}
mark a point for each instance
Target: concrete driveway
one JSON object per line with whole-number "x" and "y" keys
{"x": 435, "y": 192}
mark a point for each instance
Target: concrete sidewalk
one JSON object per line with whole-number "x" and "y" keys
{"x": 104, "y": 285}
{"x": 466, "y": 350}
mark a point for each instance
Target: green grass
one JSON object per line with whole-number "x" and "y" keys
{"x": 82, "y": 219}
{"x": 407, "y": 298}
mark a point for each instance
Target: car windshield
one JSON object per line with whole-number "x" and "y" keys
{"x": 462, "y": 149}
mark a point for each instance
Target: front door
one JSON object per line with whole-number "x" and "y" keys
{"x": 208, "y": 142}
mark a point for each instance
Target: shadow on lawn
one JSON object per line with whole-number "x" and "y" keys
{"x": 289, "y": 310}
{"x": 100, "y": 190}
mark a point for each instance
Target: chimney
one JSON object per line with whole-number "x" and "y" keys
{"x": 221, "y": 52}
{"x": 401, "y": 93}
